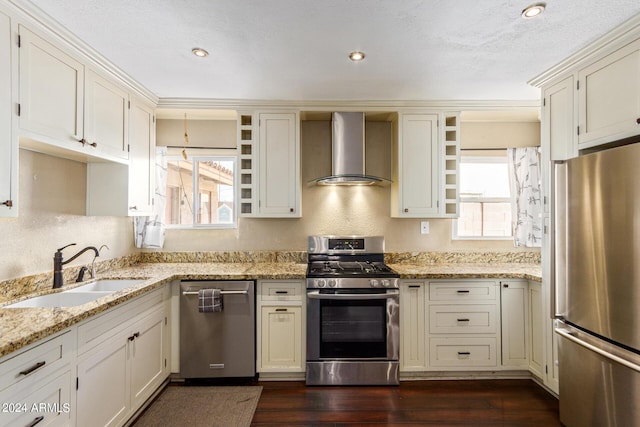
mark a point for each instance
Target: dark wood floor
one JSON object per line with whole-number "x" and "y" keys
{"x": 437, "y": 403}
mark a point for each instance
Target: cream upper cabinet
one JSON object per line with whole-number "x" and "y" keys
{"x": 558, "y": 122}
{"x": 106, "y": 116}
{"x": 142, "y": 143}
{"x": 51, "y": 93}
{"x": 279, "y": 165}
{"x": 609, "y": 97}
{"x": 416, "y": 183}
{"x": 425, "y": 169}
{"x": 8, "y": 139}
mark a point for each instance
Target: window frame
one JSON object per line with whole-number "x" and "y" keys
{"x": 205, "y": 156}
{"x": 483, "y": 159}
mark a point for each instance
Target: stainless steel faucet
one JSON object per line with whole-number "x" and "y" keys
{"x": 58, "y": 280}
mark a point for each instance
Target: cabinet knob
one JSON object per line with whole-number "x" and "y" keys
{"x": 291, "y": 210}
{"x": 406, "y": 209}
{"x": 638, "y": 121}
{"x": 82, "y": 141}
{"x": 94, "y": 144}
{"x": 505, "y": 285}
{"x": 7, "y": 203}
{"x": 133, "y": 208}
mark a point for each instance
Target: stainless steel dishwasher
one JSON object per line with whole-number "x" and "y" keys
{"x": 218, "y": 344}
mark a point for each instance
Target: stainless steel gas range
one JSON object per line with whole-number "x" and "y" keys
{"x": 353, "y": 303}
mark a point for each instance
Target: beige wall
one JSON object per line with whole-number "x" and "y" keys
{"x": 342, "y": 210}
{"x": 52, "y": 214}
{"x": 202, "y": 133}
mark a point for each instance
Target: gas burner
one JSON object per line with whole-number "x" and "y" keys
{"x": 328, "y": 259}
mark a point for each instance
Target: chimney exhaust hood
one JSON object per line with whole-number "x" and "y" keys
{"x": 348, "y": 152}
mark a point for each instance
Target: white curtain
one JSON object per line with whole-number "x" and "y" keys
{"x": 524, "y": 173}
{"x": 149, "y": 230}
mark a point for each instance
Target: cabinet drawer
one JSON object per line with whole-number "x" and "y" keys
{"x": 471, "y": 291}
{"x": 281, "y": 290}
{"x": 37, "y": 362}
{"x": 462, "y": 352}
{"x": 106, "y": 325}
{"x": 462, "y": 319}
{"x": 47, "y": 403}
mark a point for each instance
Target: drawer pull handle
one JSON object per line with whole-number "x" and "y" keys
{"x": 36, "y": 421}
{"x": 33, "y": 368}
{"x": 414, "y": 286}
{"x": 282, "y": 292}
{"x": 463, "y": 320}
{"x": 464, "y": 353}
{"x": 463, "y": 291}
{"x": 281, "y": 309}
{"x": 134, "y": 336}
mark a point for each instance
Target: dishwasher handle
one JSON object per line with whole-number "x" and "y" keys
{"x": 245, "y": 292}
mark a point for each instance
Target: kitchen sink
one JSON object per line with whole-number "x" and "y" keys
{"x": 105, "y": 285}
{"x": 61, "y": 299}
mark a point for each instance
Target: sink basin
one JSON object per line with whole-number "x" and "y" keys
{"x": 105, "y": 285}
{"x": 61, "y": 299}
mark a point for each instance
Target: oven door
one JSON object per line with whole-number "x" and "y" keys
{"x": 352, "y": 324}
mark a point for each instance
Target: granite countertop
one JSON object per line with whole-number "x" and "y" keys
{"x": 20, "y": 327}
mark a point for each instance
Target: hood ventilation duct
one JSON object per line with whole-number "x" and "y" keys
{"x": 348, "y": 152}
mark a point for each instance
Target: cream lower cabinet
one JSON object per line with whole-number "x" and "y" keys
{"x": 536, "y": 330}
{"x": 464, "y": 329}
{"x": 36, "y": 385}
{"x": 122, "y": 360}
{"x": 413, "y": 326}
{"x": 281, "y": 326}
{"x": 516, "y": 346}
{"x": 8, "y": 139}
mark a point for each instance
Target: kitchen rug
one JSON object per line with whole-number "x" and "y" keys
{"x": 202, "y": 406}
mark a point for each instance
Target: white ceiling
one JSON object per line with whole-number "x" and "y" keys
{"x": 297, "y": 49}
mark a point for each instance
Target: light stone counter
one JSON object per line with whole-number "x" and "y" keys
{"x": 23, "y": 326}
{"x": 469, "y": 271}
{"x": 20, "y": 327}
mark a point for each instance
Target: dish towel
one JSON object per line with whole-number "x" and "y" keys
{"x": 209, "y": 301}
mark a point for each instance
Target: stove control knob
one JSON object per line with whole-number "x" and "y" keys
{"x": 332, "y": 283}
{"x": 374, "y": 283}
{"x": 385, "y": 283}
{"x": 320, "y": 283}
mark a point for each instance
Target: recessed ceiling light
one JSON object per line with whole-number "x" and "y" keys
{"x": 356, "y": 56}
{"x": 533, "y": 10}
{"x": 199, "y": 52}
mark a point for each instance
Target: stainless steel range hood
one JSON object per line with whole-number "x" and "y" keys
{"x": 348, "y": 152}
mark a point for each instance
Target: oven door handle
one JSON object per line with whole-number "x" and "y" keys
{"x": 318, "y": 295}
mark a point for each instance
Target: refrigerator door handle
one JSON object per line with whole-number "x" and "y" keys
{"x": 568, "y": 334}
{"x": 559, "y": 245}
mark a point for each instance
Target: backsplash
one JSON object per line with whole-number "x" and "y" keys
{"x": 462, "y": 257}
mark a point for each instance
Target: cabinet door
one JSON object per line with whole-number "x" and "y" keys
{"x": 148, "y": 358}
{"x": 413, "y": 354}
{"x": 281, "y": 339}
{"x": 141, "y": 159}
{"x": 537, "y": 326}
{"x": 515, "y": 336}
{"x": 8, "y": 141}
{"x": 558, "y": 123}
{"x": 279, "y": 168}
{"x": 609, "y": 97}
{"x": 103, "y": 394}
{"x": 418, "y": 169}
{"x": 106, "y": 116}
{"x": 47, "y": 403}
{"x": 51, "y": 92}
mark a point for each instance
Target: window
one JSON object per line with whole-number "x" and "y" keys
{"x": 200, "y": 192}
{"x": 485, "y": 199}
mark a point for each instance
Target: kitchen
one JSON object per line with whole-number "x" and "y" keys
{"x": 55, "y": 210}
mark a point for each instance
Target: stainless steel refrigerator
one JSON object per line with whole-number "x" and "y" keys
{"x": 597, "y": 287}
